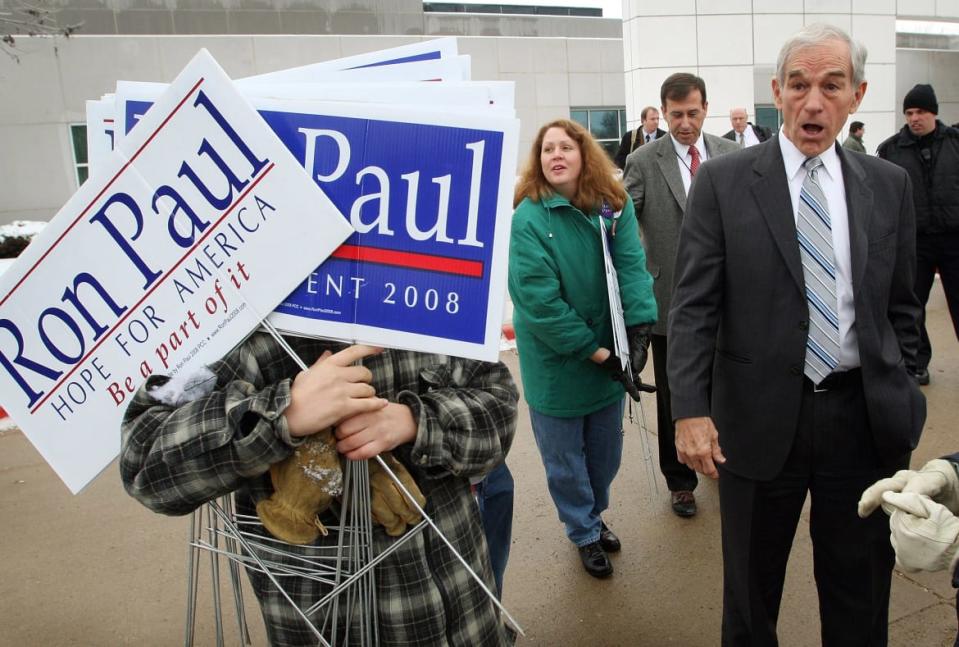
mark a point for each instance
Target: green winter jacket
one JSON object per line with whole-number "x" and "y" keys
{"x": 560, "y": 305}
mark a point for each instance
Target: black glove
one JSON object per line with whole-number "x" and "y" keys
{"x": 613, "y": 366}
{"x": 638, "y": 338}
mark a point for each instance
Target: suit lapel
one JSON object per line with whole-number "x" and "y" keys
{"x": 669, "y": 165}
{"x": 859, "y": 203}
{"x": 771, "y": 191}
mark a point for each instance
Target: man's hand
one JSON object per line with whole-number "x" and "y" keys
{"x": 937, "y": 480}
{"x": 697, "y": 445}
{"x": 331, "y": 390}
{"x": 368, "y": 434}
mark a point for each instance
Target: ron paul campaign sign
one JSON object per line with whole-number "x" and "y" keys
{"x": 197, "y": 226}
{"x": 429, "y": 195}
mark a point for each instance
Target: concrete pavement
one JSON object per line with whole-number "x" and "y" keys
{"x": 98, "y": 569}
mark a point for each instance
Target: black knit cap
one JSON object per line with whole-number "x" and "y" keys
{"x": 921, "y": 96}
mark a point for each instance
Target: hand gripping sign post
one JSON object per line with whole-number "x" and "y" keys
{"x": 166, "y": 259}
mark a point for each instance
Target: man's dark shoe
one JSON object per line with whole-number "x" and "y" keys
{"x": 608, "y": 540}
{"x": 684, "y": 503}
{"x": 922, "y": 376}
{"x": 595, "y": 560}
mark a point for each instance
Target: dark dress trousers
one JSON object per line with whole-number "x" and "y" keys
{"x": 737, "y": 333}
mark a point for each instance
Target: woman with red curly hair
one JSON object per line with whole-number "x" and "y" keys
{"x": 564, "y": 335}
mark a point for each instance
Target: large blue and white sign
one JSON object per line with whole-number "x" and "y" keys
{"x": 429, "y": 196}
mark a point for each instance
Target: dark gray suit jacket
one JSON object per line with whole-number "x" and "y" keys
{"x": 739, "y": 318}
{"x": 653, "y": 181}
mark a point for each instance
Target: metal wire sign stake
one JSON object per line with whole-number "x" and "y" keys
{"x": 348, "y": 568}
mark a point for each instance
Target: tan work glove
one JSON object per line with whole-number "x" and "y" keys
{"x": 304, "y": 483}
{"x": 924, "y": 534}
{"x": 937, "y": 480}
{"x": 390, "y": 507}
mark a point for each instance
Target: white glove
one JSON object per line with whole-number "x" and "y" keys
{"x": 924, "y": 534}
{"x": 936, "y": 480}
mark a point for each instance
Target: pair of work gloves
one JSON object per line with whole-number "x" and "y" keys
{"x": 922, "y": 507}
{"x": 308, "y": 480}
{"x": 638, "y": 338}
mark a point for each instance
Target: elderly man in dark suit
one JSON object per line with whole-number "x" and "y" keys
{"x": 791, "y": 336}
{"x": 657, "y": 177}
{"x": 744, "y": 132}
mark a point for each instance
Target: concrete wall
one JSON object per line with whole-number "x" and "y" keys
{"x": 941, "y": 69}
{"x": 46, "y": 90}
{"x": 342, "y": 17}
{"x": 733, "y": 45}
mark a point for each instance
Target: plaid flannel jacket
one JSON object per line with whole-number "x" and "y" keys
{"x": 174, "y": 459}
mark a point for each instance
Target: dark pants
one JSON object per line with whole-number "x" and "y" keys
{"x": 936, "y": 252}
{"x": 833, "y": 459}
{"x": 495, "y": 497}
{"x": 678, "y": 476}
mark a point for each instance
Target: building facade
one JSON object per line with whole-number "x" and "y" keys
{"x": 565, "y": 62}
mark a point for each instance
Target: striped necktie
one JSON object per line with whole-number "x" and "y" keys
{"x": 814, "y": 230}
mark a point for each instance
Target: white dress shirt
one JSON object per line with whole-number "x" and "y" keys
{"x": 684, "y": 159}
{"x": 831, "y": 181}
{"x": 749, "y": 134}
{"x": 649, "y": 136}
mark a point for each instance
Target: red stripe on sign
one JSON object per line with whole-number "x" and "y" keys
{"x": 410, "y": 260}
{"x": 155, "y": 286}
{"x": 104, "y": 190}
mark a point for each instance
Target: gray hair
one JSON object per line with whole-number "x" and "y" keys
{"x": 815, "y": 34}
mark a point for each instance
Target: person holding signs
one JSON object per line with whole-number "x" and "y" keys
{"x": 566, "y": 197}
{"x": 257, "y": 426}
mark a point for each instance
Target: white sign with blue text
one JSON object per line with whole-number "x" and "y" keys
{"x": 196, "y": 227}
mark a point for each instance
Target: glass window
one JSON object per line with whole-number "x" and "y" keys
{"x": 78, "y": 137}
{"x": 606, "y": 124}
{"x": 768, "y": 116}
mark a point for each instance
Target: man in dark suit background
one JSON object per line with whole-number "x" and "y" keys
{"x": 648, "y": 131}
{"x": 779, "y": 389}
{"x": 657, "y": 177}
{"x": 744, "y": 132}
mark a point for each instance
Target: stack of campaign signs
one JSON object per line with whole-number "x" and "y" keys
{"x": 365, "y": 199}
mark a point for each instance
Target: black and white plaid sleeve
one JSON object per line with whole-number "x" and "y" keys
{"x": 175, "y": 458}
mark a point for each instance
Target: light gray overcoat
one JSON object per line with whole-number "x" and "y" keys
{"x": 652, "y": 179}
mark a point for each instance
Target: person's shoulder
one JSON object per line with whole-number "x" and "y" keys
{"x": 889, "y": 142}
{"x": 721, "y": 144}
{"x": 729, "y": 167}
{"x": 647, "y": 151}
{"x": 730, "y": 135}
{"x": 525, "y": 210}
{"x": 877, "y": 168}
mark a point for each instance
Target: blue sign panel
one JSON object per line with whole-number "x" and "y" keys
{"x": 423, "y": 199}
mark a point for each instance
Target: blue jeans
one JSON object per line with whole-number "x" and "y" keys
{"x": 495, "y": 497}
{"x": 581, "y": 457}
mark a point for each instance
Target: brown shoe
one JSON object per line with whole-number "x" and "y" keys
{"x": 684, "y": 503}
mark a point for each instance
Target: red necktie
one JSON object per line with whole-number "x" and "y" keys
{"x": 694, "y": 166}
